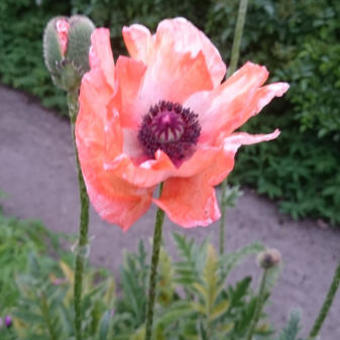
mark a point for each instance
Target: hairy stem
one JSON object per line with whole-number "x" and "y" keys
{"x": 259, "y": 305}
{"x": 326, "y": 304}
{"x": 235, "y": 53}
{"x": 81, "y": 250}
{"x": 156, "y": 245}
{"x": 223, "y": 213}
{"x": 47, "y": 317}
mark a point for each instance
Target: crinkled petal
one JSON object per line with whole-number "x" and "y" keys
{"x": 138, "y": 41}
{"x": 95, "y": 124}
{"x": 145, "y": 175}
{"x": 100, "y": 55}
{"x": 188, "y": 38}
{"x": 240, "y": 97}
{"x": 175, "y": 69}
{"x": 173, "y": 76}
{"x": 130, "y": 74}
{"x": 185, "y": 38}
{"x": 199, "y": 161}
{"x": 115, "y": 200}
{"x": 189, "y": 202}
{"x": 153, "y": 171}
{"x": 224, "y": 163}
{"x": 99, "y": 136}
{"x": 234, "y": 141}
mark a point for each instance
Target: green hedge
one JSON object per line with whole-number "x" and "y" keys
{"x": 21, "y": 28}
{"x": 297, "y": 40}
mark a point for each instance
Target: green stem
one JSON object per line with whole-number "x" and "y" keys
{"x": 81, "y": 251}
{"x": 235, "y": 53}
{"x": 156, "y": 245}
{"x": 223, "y": 213}
{"x": 327, "y": 304}
{"x": 259, "y": 305}
{"x": 47, "y": 317}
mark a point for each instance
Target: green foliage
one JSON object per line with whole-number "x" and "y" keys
{"x": 18, "y": 240}
{"x": 21, "y": 63}
{"x": 299, "y": 170}
{"x": 290, "y": 332}
{"x": 117, "y": 13}
{"x": 194, "y": 299}
{"x": 45, "y": 308}
{"x": 36, "y": 285}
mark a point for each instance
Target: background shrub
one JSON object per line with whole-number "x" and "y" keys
{"x": 22, "y": 24}
{"x": 297, "y": 40}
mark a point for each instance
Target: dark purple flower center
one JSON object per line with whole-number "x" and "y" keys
{"x": 171, "y": 128}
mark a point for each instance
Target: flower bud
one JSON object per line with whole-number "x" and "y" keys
{"x": 269, "y": 258}
{"x": 66, "y": 46}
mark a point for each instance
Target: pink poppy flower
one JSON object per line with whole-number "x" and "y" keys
{"x": 163, "y": 115}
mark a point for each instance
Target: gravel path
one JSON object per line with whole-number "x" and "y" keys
{"x": 37, "y": 171}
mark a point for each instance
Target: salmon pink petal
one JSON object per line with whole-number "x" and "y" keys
{"x": 230, "y": 105}
{"x": 99, "y": 137}
{"x": 189, "y": 202}
{"x": 116, "y": 201}
{"x": 153, "y": 171}
{"x": 184, "y": 37}
{"x": 138, "y": 41}
{"x": 130, "y": 73}
{"x": 188, "y": 38}
{"x": 176, "y": 68}
{"x": 94, "y": 123}
{"x": 200, "y": 160}
{"x": 100, "y": 54}
{"x": 173, "y": 76}
{"x": 234, "y": 141}
{"x": 224, "y": 163}
{"x": 145, "y": 175}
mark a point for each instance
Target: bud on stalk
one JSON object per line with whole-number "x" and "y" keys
{"x": 66, "y": 46}
{"x": 269, "y": 258}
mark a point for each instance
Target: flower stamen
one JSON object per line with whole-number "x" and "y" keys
{"x": 170, "y": 128}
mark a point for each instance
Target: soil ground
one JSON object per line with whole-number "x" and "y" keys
{"x": 37, "y": 172}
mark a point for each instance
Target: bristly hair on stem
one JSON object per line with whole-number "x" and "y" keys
{"x": 327, "y": 304}
{"x": 82, "y": 244}
{"x": 235, "y": 53}
{"x": 156, "y": 245}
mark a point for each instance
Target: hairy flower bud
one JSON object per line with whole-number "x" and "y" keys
{"x": 66, "y": 46}
{"x": 269, "y": 258}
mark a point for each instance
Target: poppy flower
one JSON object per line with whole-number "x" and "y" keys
{"x": 163, "y": 115}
